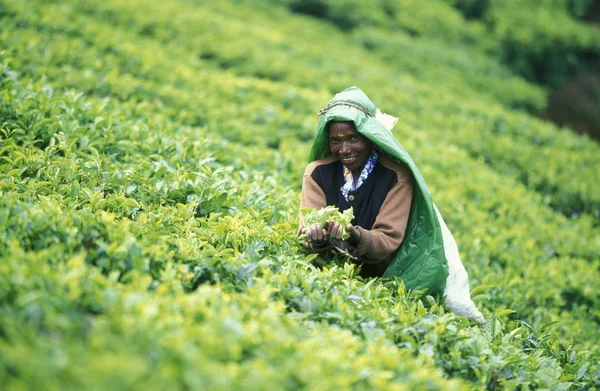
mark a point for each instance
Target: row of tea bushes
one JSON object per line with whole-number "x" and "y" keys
{"x": 542, "y": 41}
{"x": 119, "y": 83}
{"x": 535, "y": 261}
{"x": 474, "y": 74}
{"x": 102, "y": 225}
{"x": 261, "y": 52}
{"x": 102, "y": 60}
{"x": 569, "y": 195}
{"x": 66, "y": 324}
{"x": 567, "y": 180}
{"x": 553, "y": 162}
{"x": 80, "y": 254}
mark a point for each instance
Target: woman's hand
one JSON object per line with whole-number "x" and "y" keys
{"x": 355, "y": 234}
{"x": 334, "y": 231}
{"x": 315, "y": 234}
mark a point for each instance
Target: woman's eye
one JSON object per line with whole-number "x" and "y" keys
{"x": 354, "y": 138}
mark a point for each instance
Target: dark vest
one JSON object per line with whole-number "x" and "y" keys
{"x": 366, "y": 200}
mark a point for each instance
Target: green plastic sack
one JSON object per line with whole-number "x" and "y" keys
{"x": 420, "y": 262}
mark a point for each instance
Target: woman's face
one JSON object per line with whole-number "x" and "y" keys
{"x": 351, "y": 147}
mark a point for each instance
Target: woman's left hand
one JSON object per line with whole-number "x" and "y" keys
{"x": 335, "y": 230}
{"x": 354, "y": 234}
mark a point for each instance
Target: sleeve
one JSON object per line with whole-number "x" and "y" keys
{"x": 388, "y": 230}
{"x": 312, "y": 197}
{"x": 312, "y": 194}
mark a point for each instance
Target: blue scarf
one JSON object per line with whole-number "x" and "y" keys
{"x": 366, "y": 171}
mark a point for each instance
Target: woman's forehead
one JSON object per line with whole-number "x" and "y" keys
{"x": 342, "y": 128}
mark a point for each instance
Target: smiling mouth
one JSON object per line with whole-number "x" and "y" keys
{"x": 348, "y": 159}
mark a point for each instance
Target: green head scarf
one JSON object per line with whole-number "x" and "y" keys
{"x": 421, "y": 261}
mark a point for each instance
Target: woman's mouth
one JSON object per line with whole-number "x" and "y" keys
{"x": 348, "y": 160}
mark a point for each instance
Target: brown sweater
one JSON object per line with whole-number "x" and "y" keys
{"x": 381, "y": 207}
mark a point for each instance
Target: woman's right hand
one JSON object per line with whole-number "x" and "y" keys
{"x": 315, "y": 234}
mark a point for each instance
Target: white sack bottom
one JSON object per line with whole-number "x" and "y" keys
{"x": 457, "y": 292}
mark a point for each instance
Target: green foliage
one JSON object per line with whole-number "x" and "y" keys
{"x": 311, "y": 216}
{"x": 547, "y": 44}
{"x": 542, "y": 41}
{"x": 150, "y": 171}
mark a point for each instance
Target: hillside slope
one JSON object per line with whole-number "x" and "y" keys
{"x": 150, "y": 163}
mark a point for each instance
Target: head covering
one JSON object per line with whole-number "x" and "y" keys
{"x": 420, "y": 262}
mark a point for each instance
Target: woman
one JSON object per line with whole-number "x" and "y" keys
{"x": 356, "y": 162}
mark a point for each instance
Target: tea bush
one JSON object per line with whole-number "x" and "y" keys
{"x": 149, "y": 191}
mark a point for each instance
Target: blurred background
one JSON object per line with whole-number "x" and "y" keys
{"x": 553, "y": 44}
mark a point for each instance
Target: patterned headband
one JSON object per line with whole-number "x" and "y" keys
{"x": 324, "y": 110}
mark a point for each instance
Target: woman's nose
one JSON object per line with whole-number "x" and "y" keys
{"x": 345, "y": 147}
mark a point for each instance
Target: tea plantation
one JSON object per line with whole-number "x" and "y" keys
{"x": 151, "y": 156}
